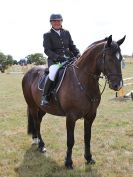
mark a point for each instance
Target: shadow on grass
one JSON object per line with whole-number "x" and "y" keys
{"x": 36, "y": 164}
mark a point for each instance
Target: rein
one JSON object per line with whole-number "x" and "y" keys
{"x": 96, "y": 77}
{"x": 83, "y": 88}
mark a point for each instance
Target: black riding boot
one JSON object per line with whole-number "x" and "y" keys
{"x": 45, "y": 98}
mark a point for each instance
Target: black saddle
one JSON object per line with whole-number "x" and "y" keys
{"x": 59, "y": 78}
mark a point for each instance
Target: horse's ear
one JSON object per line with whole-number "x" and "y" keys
{"x": 121, "y": 40}
{"x": 109, "y": 40}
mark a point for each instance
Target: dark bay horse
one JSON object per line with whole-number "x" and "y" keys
{"x": 79, "y": 94}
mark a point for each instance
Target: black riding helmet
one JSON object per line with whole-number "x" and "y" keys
{"x": 56, "y": 17}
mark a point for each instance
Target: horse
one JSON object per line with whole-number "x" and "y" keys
{"x": 79, "y": 93}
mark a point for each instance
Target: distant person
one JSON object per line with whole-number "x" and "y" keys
{"x": 59, "y": 47}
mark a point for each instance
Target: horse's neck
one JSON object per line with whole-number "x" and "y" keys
{"x": 88, "y": 61}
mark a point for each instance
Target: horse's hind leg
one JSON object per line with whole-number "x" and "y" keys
{"x": 87, "y": 138}
{"x": 34, "y": 122}
{"x": 31, "y": 127}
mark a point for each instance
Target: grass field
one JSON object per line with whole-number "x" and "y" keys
{"x": 112, "y": 137}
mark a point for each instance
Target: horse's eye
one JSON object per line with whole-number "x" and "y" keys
{"x": 118, "y": 55}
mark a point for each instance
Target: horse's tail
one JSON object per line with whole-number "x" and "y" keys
{"x": 30, "y": 126}
{"x": 26, "y": 87}
{"x": 33, "y": 112}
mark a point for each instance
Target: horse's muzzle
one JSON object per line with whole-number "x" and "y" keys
{"x": 116, "y": 86}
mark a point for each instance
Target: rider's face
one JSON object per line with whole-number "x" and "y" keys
{"x": 56, "y": 24}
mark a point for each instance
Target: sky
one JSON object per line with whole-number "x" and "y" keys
{"x": 23, "y": 23}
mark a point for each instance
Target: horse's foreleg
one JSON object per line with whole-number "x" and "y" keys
{"x": 70, "y": 125}
{"x": 87, "y": 139}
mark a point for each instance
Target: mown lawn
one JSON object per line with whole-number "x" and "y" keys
{"x": 112, "y": 137}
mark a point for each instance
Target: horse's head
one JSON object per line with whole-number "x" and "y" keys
{"x": 111, "y": 63}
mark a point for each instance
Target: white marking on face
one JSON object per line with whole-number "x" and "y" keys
{"x": 118, "y": 55}
{"x": 121, "y": 84}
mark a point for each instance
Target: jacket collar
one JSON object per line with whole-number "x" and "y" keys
{"x": 53, "y": 31}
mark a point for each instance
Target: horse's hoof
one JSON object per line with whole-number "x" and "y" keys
{"x": 42, "y": 149}
{"x": 91, "y": 162}
{"x": 69, "y": 167}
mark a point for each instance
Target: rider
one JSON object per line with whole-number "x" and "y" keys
{"x": 59, "y": 47}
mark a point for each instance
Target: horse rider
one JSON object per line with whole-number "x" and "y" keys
{"x": 59, "y": 47}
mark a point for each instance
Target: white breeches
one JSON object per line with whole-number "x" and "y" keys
{"x": 53, "y": 70}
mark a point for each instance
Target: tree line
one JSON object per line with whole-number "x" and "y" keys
{"x": 7, "y": 60}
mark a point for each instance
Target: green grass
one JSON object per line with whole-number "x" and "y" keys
{"x": 112, "y": 137}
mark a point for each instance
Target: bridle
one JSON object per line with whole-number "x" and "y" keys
{"x": 106, "y": 74}
{"x": 95, "y": 76}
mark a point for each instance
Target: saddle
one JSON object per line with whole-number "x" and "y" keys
{"x": 57, "y": 82}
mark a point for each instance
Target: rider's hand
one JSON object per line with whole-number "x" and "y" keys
{"x": 62, "y": 59}
{"x": 78, "y": 56}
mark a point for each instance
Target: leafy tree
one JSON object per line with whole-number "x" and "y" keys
{"x": 5, "y": 61}
{"x": 15, "y": 62}
{"x": 37, "y": 59}
{"x": 3, "y": 65}
{"x": 9, "y": 59}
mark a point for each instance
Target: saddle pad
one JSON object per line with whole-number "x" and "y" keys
{"x": 41, "y": 82}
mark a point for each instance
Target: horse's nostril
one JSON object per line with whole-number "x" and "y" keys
{"x": 115, "y": 86}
